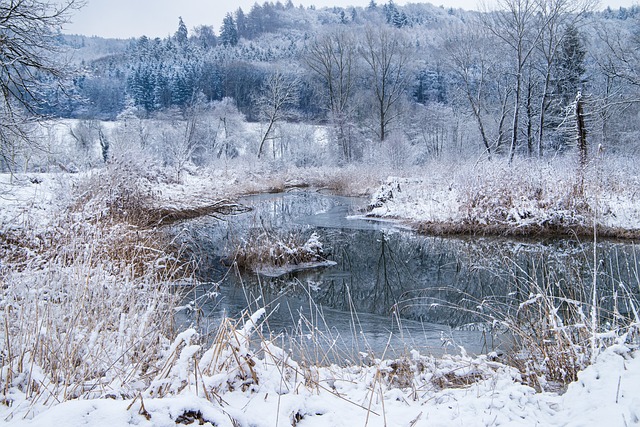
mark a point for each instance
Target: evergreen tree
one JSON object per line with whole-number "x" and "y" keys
{"x": 570, "y": 67}
{"x": 343, "y": 17}
{"x": 162, "y": 96}
{"x": 255, "y": 24}
{"x": 241, "y": 23}
{"x": 567, "y": 81}
{"x": 143, "y": 45}
{"x": 141, "y": 86}
{"x": 229, "y": 31}
{"x": 182, "y": 35}
{"x": 400, "y": 19}
{"x": 182, "y": 87}
{"x": 390, "y": 11}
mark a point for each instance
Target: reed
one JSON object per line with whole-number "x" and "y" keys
{"x": 546, "y": 328}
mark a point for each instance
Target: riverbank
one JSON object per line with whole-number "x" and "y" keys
{"x": 89, "y": 337}
{"x": 266, "y": 389}
{"x": 527, "y": 199}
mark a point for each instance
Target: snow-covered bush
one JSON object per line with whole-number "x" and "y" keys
{"x": 270, "y": 249}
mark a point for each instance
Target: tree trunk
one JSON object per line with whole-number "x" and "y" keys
{"x": 265, "y": 136}
{"x": 543, "y": 109}
{"x": 503, "y": 117}
{"x": 483, "y": 134}
{"x": 529, "y": 118}
{"x": 581, "y": 131}
{"x": 516, "y": 116}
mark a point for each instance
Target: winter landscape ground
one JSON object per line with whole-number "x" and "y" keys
{"x": 517, "y": 124}
{"x": 87, "y": 308}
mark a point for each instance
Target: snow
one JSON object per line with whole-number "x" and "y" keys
{"x": 406, "y": 392}
{"x": 29, "y": 200}
{"x": 238, "y": 383}
{"x": 520, "y": 196}
{"x": 416, "y": 199}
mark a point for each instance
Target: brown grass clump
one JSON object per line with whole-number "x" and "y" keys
{"x": 268, "y": 248}
{"x": 87, "y": 305}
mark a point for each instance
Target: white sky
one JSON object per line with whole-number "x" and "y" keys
{"x": 159, "y": 18}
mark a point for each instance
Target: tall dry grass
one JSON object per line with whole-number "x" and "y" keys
{"x": 547, "y": 328}
{"x": 87, "y": 304}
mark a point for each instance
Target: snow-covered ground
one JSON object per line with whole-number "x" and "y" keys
{"x": 272, "y": 390}
{"x": 234, "y": 383}
{"x": 536, "y": 195}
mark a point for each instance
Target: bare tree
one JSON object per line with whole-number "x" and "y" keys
{"x": 620, "y": 58}
{"x": 332, "y": 57}
{"x": 519, "y": 25}
{"x": 279, "y": 94}
{"x": 471, "y": 60}
{"x": 89, "y": 133}
{"x": 28, "y": 31}
{"x": 229, "y": 124}
{"x": 388, "y": 57}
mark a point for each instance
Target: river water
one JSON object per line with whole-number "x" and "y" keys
{"x": 391, "y": 290}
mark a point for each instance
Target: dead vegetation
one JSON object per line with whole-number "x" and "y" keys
{"x": 87, "y": 304}
{"x": 534, "y": 230}
{"x": 553, "y": 334}
{"x": 272, "y": 249}
{"x": 529, "y": 198}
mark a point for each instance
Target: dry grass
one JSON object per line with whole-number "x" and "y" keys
{"x": 269, "y": 248}
{"x": 87, "y": 325}
{"x": 550, "y": 336}
{"x": 526, "y": 199}
{"x": 87, "y": 305}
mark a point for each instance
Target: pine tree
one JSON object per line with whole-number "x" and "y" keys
{"x": 343, "y": 17}
{"x": 229, "y": 31}
{"x": 390, "y": 11}
{"x": 181, "y": 90}
{"x": 241, "y": 23}
{"x": 567, "y": 82}
{"x": 399, "y": 19}
{"x": 182, "y": 35}
{"x": 570, "y": 67}
{"x": 141, "y": 86}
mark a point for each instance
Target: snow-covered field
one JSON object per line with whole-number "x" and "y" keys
{"x": 272, "y": 390}
{"x": 244, "y": 379}
{"x": 523, "y": 198}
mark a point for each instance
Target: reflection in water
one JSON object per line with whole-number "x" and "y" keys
{"x": 390, "y": 287}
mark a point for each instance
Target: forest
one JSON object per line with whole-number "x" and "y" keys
{"x": 434, "y": 82}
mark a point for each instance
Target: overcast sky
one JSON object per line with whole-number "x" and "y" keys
{"x": 159, "y": 18}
